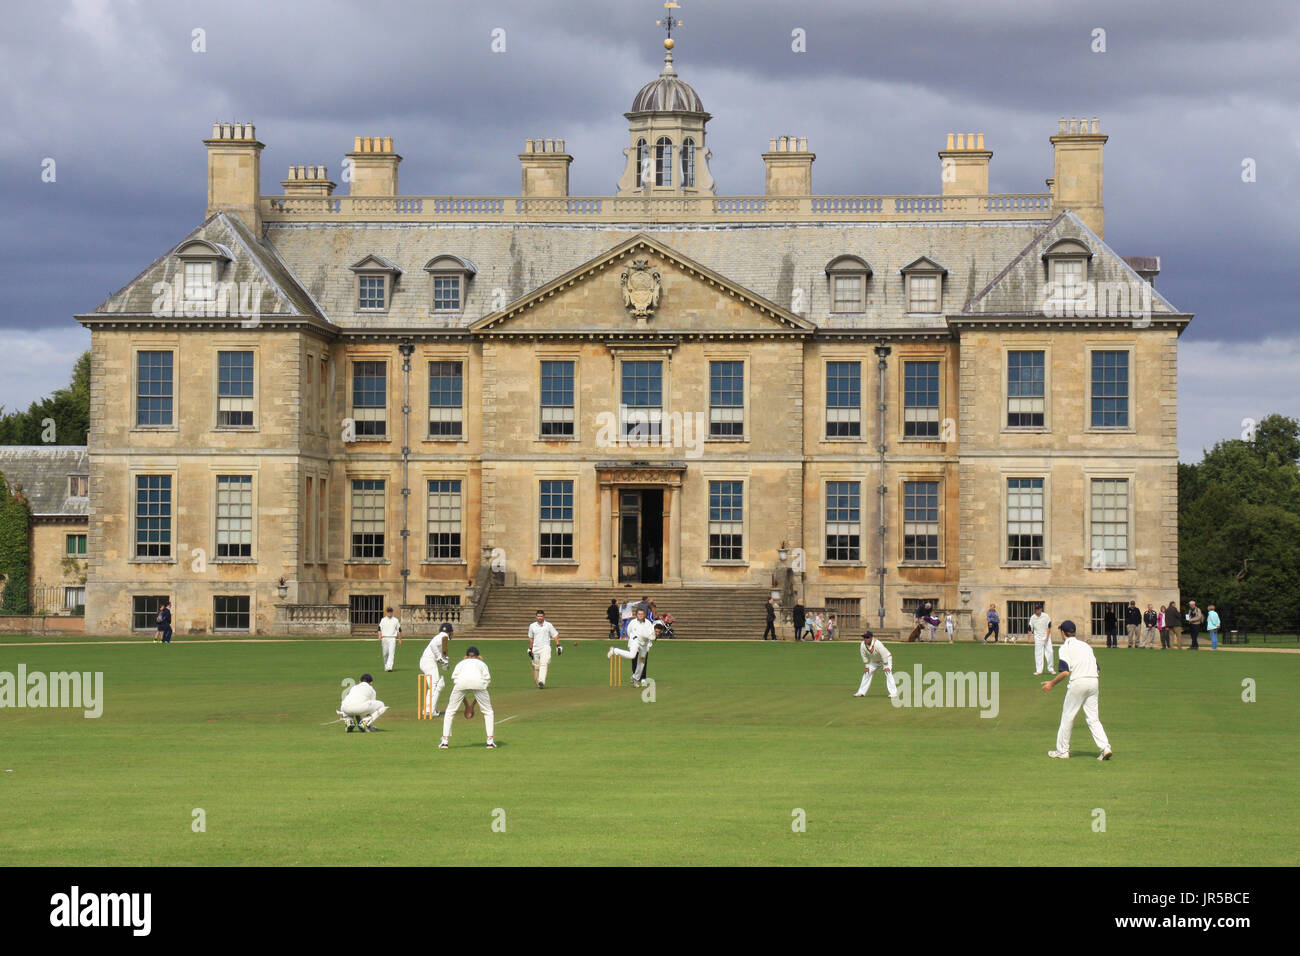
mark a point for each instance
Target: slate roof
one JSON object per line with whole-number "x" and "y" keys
{"x": 42, "y": 472}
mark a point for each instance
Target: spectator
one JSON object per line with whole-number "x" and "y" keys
{"x": 1112, "y": 628}
{"x": 1132, "y": 623}
{"x": 994, "y": 621}
{"x": 613, "y": 614}
{"x": 1163, "y": 625}
{"x": 770, "y": 611}
{"x": 1194, "y": 621}
{"x": 1212, "y": 628}
{"x": 1151, "y": 623}
{"x": 950, "y": 624}
{"x": 931, "y": 624}
{"x": 629, "y": 611}
{"x": 1174, "y": 621}
{"x": 651, "y": 612}
{"x": 797, "y": 615}
{"x": 817, "y": 626}
{"x": 829, "y": 633}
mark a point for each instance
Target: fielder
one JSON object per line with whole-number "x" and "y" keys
{"x": 640, "y": 638}
{"x": 470, "y": 678}
{"x": 433, "y": 658}
{"x": 875, "y": 654}
{"x": 390, "y": 635}
{"x": 540, "y": 635}
{"x": 360, "y": 707}
{"x": 1040, "y": 625}
{"x": 1080, "y": 663}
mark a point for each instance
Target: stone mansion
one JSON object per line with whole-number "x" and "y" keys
{"x": 317, "y": 404}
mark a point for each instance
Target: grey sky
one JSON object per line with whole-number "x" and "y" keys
{"x": 1186, "y": 91}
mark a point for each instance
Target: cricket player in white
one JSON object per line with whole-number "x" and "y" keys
{"x": 471, "y": 677}
{"x": 1080, "y": 663}
{"x": 875, "y": 654}
{"x": 360, "y": 705}
{"x": 540, "y": 634}
{"x": 1040, "y": 625}
{"x": 390, "y": 635}
{"x": 950, "y": 623}
{"x": 433, "y": 658}
{"x": 640, "y": 638}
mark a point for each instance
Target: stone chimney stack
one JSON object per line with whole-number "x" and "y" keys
{"x": 374, "y": 166}
{"x": 1076, "y": 173}
{"x": 308, "y": 181}
{"x": 234, "y": 172}
{"x": 964, "y": 165}
{"x": 545, "y": 167}
{"x": 789, "y": 166}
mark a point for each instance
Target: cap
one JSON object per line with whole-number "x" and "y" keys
{"x": 1067, "y": 627}
{"x": 867, "y": 634}
{"x": 367, "y": 679}
{"x": 471, "y": 650}
{"x": 446, "y": 626}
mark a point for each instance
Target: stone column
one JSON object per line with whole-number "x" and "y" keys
{"x": 606, "y": 528}
{"x": 673, "y": 503}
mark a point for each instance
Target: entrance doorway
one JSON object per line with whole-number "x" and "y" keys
{"x": 641, "y": 536}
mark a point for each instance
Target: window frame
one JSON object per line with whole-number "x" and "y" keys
{"x": 219, "y": 472}
{"x": 572, "y": 359}
{"x": 846, "y": 267}
{"x": 247, "y": 611}
{"x": 353, "y": 361}
{"x": 81, "y": 537}
{"x": 460, "y": 481}
{"x": 826, "y": 481}
{"x": 711, "y": 478}
{"x": 924, "y": 267}
{"x": 655, "y": 436}
{"x": 172, "y": 524}
{"x": 900, "y": 373}
{"x": 254, "y": 409}
{"x": 1007, "y": 349}
{"x": 174, "y": 411}
{"x": 1091, "y": 349}
{"x": 1130, "y": 478}
{"x": 352, "y": 557}
{"x": 1003, "y": 532}
{"x": 575, "y": 542}
{"x": 430, "y": 362}
{"x": 825, "y": 397}
{"x": 711, "y": 358}
{"x": 916, "y": 478}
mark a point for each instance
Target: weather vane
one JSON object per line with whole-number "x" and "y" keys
{"x": 668, "y": 23}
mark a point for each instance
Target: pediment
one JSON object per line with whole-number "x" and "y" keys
{"x": 642, "y": 285}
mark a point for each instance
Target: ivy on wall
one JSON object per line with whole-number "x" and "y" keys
{"x": 15, "y": 549}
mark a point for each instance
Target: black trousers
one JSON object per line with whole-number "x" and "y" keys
{"x": 770, "y": 629}
{"x": 993, "y": 629}
{"x": 1112, "y": 639}
{"x": 1193, "y": 631}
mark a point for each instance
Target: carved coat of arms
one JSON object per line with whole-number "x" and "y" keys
{"x": 641, "y": 288}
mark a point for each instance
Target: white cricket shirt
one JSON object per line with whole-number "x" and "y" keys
{"x": 471, "y": 674}
{"x": 1079, "y": 656}
{"x": 435, "y": 653}
{"x": 642, "y": 631}
{"x": 878, "y": 654}
{"x": 1041, "y": 626}
{"x": 389, "y": 626}
{"x": 361, "y": 694}
{"x": 542, "y": 634}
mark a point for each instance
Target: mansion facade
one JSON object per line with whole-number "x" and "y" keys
{"x": 318, "y": 404}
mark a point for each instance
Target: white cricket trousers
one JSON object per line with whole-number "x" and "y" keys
{"x": 1082, "y": 692}
{"x": 870, "y": 672}
{"x": 454, "y": 703}
{"x": 369, "y": 712}
{"x": 1043, "y": 647}
{"x": 435, "y": 687}
{"x": 542, "y": 661}
{"x": 637, "y": 655}
{"x": 388, "y": 648}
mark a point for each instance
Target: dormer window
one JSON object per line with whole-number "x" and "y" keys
{"x": 923, "y": 286}
{"x": 78, "y": 486}
{"x": 376, "y": 277}
{"x": 848, "y": 277}
{"x": 1066, "y": 263}
{"x": 203, "y": 264}
{"x": 449, "y": 278}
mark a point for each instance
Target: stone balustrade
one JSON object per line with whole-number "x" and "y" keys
{"x": 653, "y": 208}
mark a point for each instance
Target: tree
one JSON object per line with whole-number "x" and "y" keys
{"x": 1239, "y": 527}
{"x": 68, "y": 407}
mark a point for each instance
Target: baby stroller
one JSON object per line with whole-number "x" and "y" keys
{"x": 667, "y": 621}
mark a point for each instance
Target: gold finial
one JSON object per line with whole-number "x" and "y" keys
{"x": 668, "y": 23}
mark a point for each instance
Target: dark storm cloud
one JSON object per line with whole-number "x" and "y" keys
{"x": 114, "y": 94}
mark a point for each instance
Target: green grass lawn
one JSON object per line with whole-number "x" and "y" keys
{"x": 741, "y": 735}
